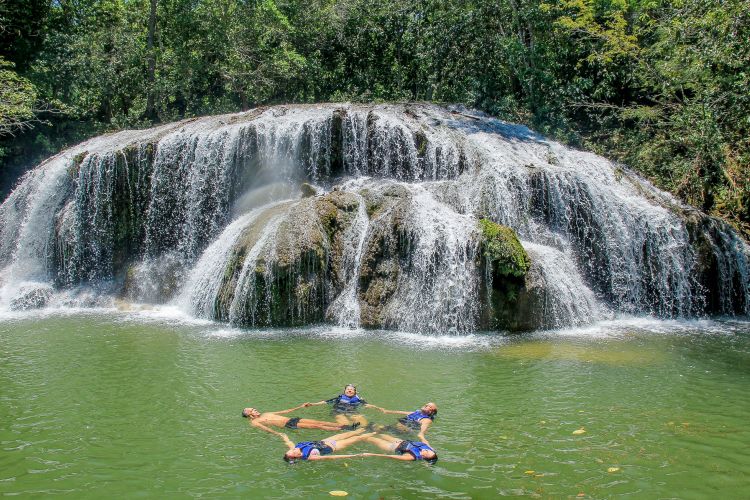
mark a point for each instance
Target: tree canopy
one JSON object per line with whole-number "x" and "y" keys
{"x": 659, "y": 85}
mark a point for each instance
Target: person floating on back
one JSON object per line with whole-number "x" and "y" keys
{"x": 323, "y": 449}
{"x": 346, "y": 406}
{"x": 275, "y": 418}
{"x": 418, "y": 421}
{"x": 403, "y": 449}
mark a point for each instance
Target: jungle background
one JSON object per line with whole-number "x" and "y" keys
{"x": 661, "y": 86}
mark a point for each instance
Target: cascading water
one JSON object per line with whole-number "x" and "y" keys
{"x": 345, "y": 308}
{"x": 363, "y": 216}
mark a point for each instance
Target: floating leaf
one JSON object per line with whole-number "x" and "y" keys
{"x": 338, "y": 493}
{"x": 613, "y": 469}
{"x": 529, "y": 472}
{"x": 580, "y": 431}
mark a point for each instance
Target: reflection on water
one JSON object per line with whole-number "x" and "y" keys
{"x": 147, "y": 404}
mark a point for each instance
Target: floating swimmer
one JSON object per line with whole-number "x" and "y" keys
{"x": 403, "y": 449}
{"x": 418, "y": 421}
{"x": 346, "y": 406}
{"x": 323, "y": 449}
{"x": 275, "y": 418}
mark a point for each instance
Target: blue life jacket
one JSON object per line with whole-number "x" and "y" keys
{"x": 412, "y": 420}
{"x": 308, "y": 446}
{"x": 419, "y": 415}
{"x": 354, "y": 400}
{"x": 415, "y": 449}
{"x": 345, "y": 404}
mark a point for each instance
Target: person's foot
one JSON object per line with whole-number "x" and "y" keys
{"x": 350, "y": 427}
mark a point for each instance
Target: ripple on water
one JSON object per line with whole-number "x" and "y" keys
{"x": 130, "y": 403}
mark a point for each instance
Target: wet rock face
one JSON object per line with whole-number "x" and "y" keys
{"x": 287, "y": 276}
{"x": 385, "y": 252}
{"x": 719, "y": 278}
{"x": 505, "y": 265}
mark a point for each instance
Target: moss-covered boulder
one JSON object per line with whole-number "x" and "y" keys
{"x": 504, "y": 265}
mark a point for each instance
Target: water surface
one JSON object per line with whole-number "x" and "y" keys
{"x": 122, "y": 404}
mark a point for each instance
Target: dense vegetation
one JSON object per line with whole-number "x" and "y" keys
{"x": 660, "y": 85}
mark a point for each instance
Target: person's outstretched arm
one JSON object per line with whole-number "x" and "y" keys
{"x": 288, "y": 442}
{"x": 290, "y": 410}
{"x": 272, "y": 431}
{"x": 395, "y": 412}
{"x": 331, "y": 457}
{"x": 424, "y": 424}
{"x": 407, "y": 458}
{"x": 314, "y": 404}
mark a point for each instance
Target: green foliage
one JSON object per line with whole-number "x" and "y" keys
{"x": 501, "y": 248}
{"x": 17, "y": 98}
{"x": 657, "y": 84}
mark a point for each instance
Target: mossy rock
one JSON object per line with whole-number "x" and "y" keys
{"x": 75, "y": 166}
{"x": 501, "y": 247}
{"x": 504, "y": 264}
{"x": 308, "y": 190}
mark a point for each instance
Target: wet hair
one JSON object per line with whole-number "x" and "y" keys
{"x": 432, "y": 461}
{"x": 434, "y": 412}
{"x": 352, "y": 386}
{"x": 246, "y": 415}
{"x": 290, "y": 460}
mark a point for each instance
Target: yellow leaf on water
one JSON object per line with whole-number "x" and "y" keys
{"x": 538, "y": 475}
{"x": 613, "y": 469}
{"x": 338, "y": 493}
{"x": 346, "y": 464}
{"x": 529, "y": 472}
{"x": 580, "y": 431}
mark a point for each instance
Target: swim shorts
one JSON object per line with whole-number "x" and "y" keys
{"x": 292, "y": 423}
{"x": 402, "y": 447}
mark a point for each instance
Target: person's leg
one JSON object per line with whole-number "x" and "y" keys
{"x": 344, "y": 435}
{"x": 391, "y": 439}
{"x": 360, "y": 418}
{"x": 343, "y": 443}
{"x": 307, "y": 423}
{"x": 342, "y": 419}
{"x": 381, "y": 443}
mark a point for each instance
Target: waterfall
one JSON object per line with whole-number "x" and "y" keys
{"x": 364, "y": 216}
{"x": 345, "y": 308}
{"x": 438, "y": 287}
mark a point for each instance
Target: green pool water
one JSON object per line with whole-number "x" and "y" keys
{"x": 131, "y": 405}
